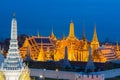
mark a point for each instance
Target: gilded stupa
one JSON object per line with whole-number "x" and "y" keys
{"x": 41, "y": 55}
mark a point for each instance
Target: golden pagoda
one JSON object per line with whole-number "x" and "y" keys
{"x": 72, "y": 43}
{"x": 41, "y": 55}
{"x": 94, "y": 42}
{"x": 71, "y": 35}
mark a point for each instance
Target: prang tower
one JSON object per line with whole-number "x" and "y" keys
{"x": 13, "y": 67}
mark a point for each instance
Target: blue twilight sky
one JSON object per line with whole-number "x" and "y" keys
{"x": 42, "y": 15}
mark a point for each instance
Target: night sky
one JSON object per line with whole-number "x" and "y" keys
{"x": 41, "y": 15}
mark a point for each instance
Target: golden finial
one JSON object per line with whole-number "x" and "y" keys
{"x": 38, "y": 34}
{"x": 52, "y": 31}
{"x": 95, "y": 34}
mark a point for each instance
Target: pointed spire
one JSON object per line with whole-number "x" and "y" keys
{"x": 13, "y": 61}
{"x": 53, "y": 35}
{"x": 117, "y": 46}
{"x": 41, "y": 56}
{"x": 14, "y": 28}
{"x": 71, "y": 32}
{"x": 13, "y": 51}
{"x": 95, "y": 43}
{"x": 95, "y": 35}
{"x": 90, "y": 64}
{"x": 52, "y": 32}
{"x": 38, "y": 34}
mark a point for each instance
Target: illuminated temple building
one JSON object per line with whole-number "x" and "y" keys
{"x": 13, "y": 67}
{"x": 50, "y": 48}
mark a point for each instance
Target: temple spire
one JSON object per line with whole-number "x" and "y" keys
{"x": 52, "y": 32}
{"x": 13, "y": 51}
{"x": 71, "y": 32}
{"x": 14, "y": 28}
{"x": 13, "y": 67}
{"x": 95, "y": 43}
{"x": 41, "y": 56}
{"x": 117, "y": 46}
{"x": 38, "y": 34}
{"x": 95, "y": 38}
{"x": 53, "y": 35}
